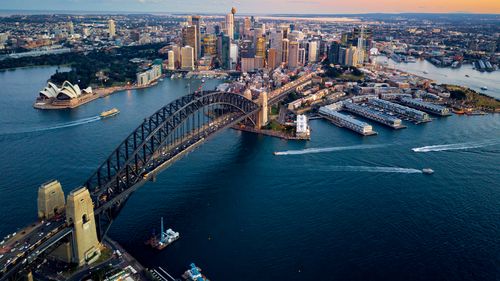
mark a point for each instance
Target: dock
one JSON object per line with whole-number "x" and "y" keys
{"x": 346, "y": 121}
{"x": 415, "y": 115}
{"x": 426, "y": 106}
{"x": 380, "y": 117}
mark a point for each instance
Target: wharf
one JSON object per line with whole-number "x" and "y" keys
{"x": 338, "y": 124}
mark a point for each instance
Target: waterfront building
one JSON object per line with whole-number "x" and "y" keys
{"x": 293, "y": 55}
{"x": 302, "y": 129}
{"x": 177, "y": 56}
{"x": 149, "y": 76}
{"x": 171, "y": 60}
{"x": 312, "y": 52}
{"x": 187, "y": 58}
{"x": 111, "y": 28}
{"x": 346, "y": 121}
{"x": 189, "y": 38}
{"x": 67, "y": 96}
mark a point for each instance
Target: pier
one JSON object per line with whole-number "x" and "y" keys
{"x": 426, "y": 106}
{"x": 366, "y": 112}
{"x": 346, "y": 121}
{"x": 405, "y": 111}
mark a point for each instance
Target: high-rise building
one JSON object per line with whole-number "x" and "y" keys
{"x": 352, "y": 56}
{"x": 247, "y": 25}
{"x": 302, "y": 56}
{"x": 230, "y": 25}
{"x": 260, "y": 48}
{"x": 187, "y": 56}
{"x": 171, "y": 60}
{"x": 195, "y": 21}
{"x": 293, "y": 55}
{"x": 233, "y": 55}
{"x": 276, "y": 43}
{"x": 225, "y": 52}
{"x": 209, "y": 45}
{"x": 272, "y": 58}
{"x": 334, "y": 53}
{"x": 189, "y": 37}
{"x": 111, "y": 28}
{"x": 312, "y": 52}
{"x": 284, "y": 51}
{"x": 177, "y": 56}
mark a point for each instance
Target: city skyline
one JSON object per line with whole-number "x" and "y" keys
{"x": 263, "y": 7}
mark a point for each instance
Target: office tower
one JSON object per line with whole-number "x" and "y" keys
{"x": 171, "y": 60}
{"x": 187, "y": 57}
{"x": 233, "y": 55}
{"x": 334, "y": 53}
{"x": 342, "y": 58}
{"x": 189, "y": 20}
{"x": 313, "y": 52}
{"x": 247, "y": 25}
{"x": 230, "y": 25}
{"x": 302, "y": 56}
{"x": 237, "y": 30}
{"x": 111, "y": 28}
{"x": 195, "y": 21}
{"x": 247, "y": 50}
{"x": 177, "y": 56}
{"x": 225, "y": 52}
{"x": 352, "y": 56}
{"x": 209, "y": 45}
{"x": 284, "y": 51}
{"x": 217, "y": 29}
{"x": 276, "y": 42}
{"x": 189, "y": 37}
{"x": 293, "y": 54}
{"x": 295, "y": 36}
{"x": 272, "y": 58}
{"x": 260, "y": 47}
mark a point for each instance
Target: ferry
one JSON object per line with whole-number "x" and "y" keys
{"x": 428, "y": 171}
{"x": 109, "y": 113}
{"x": 194, "y": 274}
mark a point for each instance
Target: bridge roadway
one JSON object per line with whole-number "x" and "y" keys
{"x": 48, "y": 233}
{"x": 279, "y": 94}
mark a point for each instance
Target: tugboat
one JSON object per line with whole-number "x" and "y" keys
{"x": 428, "y": 171}
{"x": 194, "y": 274}
{"x": 166, "y": 238}
{"x": 109, "y": 113}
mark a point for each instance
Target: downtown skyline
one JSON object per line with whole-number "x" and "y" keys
{"x": 262, "y": 7}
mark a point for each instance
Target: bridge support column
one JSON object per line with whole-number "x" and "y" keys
{"x": 80, "y": 214}
{"x": 262, "y": 115}
{"x": 50, "y": 200}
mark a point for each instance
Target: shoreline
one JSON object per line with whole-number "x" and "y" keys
{"x": 97, "y": 94}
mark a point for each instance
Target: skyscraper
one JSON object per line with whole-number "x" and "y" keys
{"x": 187, "y": 55}
{"x": 189, "y": 37}
{"x": 302, "y": 56}
{"x": 209, "y": 45}
{"x": 111, "y": 28}
{"x": 313, "y": 52}
{"x": 195, "y": 20}
{"x": 284, "y": 51}
{"x": 293, "y": 54}
{"x": 225, "y": 51}
{"x": 230, "y": 24}
{"x": 171, "y": 60}
{"x": 272, "y": 58}
{"x": 334, "y": 53}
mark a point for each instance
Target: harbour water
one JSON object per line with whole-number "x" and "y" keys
{"x": 456, "y": 76}
{"x": 339, "y": 207}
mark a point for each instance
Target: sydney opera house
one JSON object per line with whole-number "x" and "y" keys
{"x": 67, "y": 96}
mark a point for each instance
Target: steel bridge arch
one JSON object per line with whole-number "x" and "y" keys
{"x": 142, "y": 150}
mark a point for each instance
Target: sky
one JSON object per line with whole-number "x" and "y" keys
{"x": 261, "y": 6}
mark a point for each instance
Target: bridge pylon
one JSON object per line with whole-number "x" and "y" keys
{"x": 263, "y": 114}
{"x": 80, "y": 214}
{"x": 50, "y": 200}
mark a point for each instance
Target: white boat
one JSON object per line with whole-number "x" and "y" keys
{"x": 428, "y": 171}
{"x": 109, "y": 113}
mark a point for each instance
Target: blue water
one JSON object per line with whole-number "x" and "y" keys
{"x": 340, "y": 207}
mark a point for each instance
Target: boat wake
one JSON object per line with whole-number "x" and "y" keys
{"x": 370, "y": 169}
{"x": 455, "y": 146}
{"x": 60, "y": 126}
{"x": 328, "y": 149}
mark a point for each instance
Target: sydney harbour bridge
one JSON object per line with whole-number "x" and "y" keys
{"x": 164, "y": 137}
